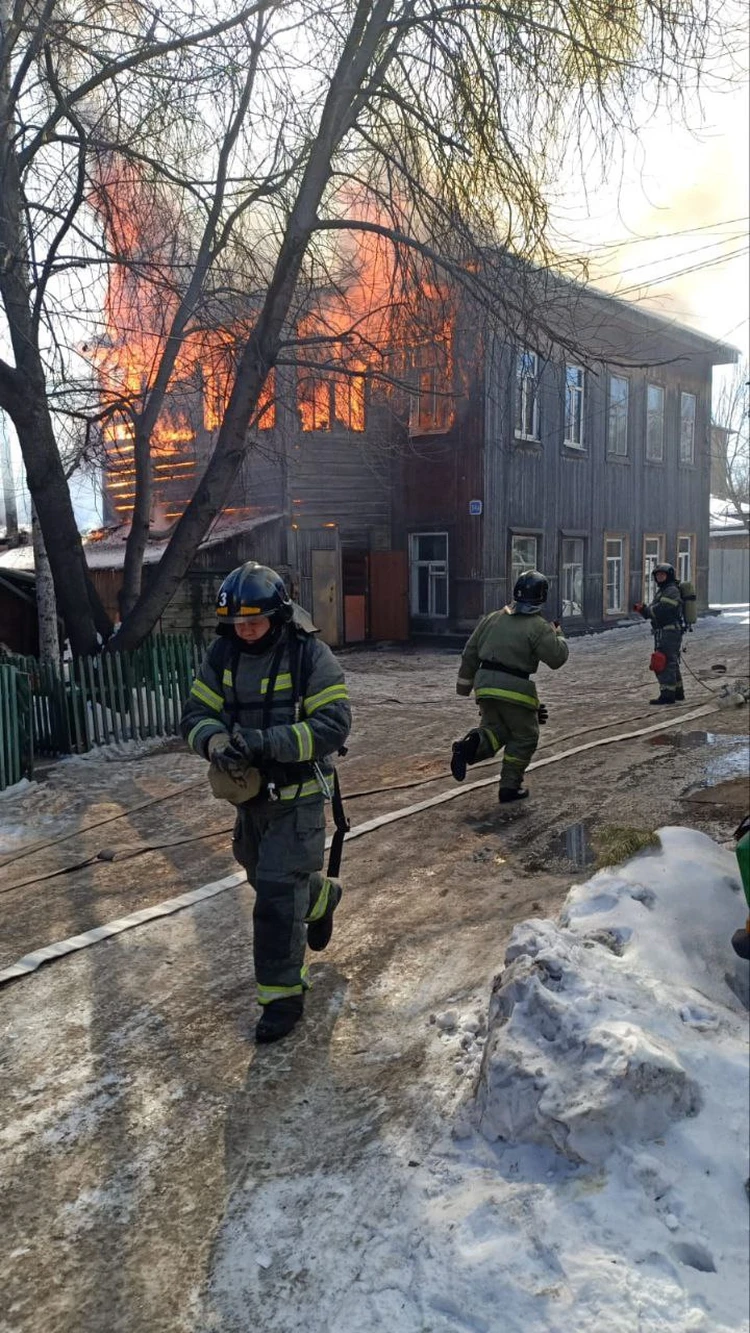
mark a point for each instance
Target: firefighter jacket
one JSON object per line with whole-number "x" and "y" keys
{"x": 504, "y": 651}
{"x": 303, "y": 720}
{"x": 666, "y": 610}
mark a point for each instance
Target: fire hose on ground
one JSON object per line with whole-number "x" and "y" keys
{"x": 30, "y": 962}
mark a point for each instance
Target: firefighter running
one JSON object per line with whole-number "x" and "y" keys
{"x": 267, "y": 708}
{"x": 666, "y": 615}
{"x": 498, "y": 662}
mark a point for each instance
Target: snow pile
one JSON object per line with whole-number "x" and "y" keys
{"x": 596, "y": 1025}
{"x": 607, "y": 1187}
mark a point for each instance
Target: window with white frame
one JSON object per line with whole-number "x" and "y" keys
{"x": 617, "y": 415}
{"x": 614, "y": 575}
{"x": 685, "y": 557}
{"x": 654, "y": 423}
{"x": 652, "y": 556}
{"x": 527, "y": 395}
{"x": 523, "y": 556}
{"x": 574, "y": 386}
{"x": 572, "y": 576}
{"x": 428, "y": 561}
{"x": 687, "y": 427}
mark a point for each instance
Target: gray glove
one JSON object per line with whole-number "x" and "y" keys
{"x": 234, "y": 754}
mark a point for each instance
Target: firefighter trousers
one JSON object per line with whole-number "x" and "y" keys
{"x": 669, "y": 642}
{"x": 281, "y": 845}
{"x": 513, "y": 728}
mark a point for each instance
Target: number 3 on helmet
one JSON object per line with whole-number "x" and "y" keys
{"x": 253, "y": 590}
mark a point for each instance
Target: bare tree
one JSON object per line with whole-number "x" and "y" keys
{"x": 279, "y": 136}
{"x": 76, "y": 82}
{"x": 730, "y": 442}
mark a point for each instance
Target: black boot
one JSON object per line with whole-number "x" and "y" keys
{"x": 278, "y": 1018}
{"x": 679, "y": 695}
{"x": 464, "y": 753}
{"x": 319, "y": 932}
{"x": 663, "y": 699}
{"x": 507, "y": 794}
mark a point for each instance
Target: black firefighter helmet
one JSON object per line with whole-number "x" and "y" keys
{"x": 664, "y": 569}
{"x": 250, "y": 591}
{"x": 531, "y": 587}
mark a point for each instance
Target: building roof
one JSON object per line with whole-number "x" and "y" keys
{"x": 106, "y": 549}
{"x": 724, "y": 519}
{"x": 551, "y": 307}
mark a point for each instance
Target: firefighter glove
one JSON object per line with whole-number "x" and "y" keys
{"x": 234, "y": 754}
{"x": 542, "y": 713}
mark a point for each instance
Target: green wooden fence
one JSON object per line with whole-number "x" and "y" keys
{"x": 92, "y": 701}
{"x": 16, "y": 758}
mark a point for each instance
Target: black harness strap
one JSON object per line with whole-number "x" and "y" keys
{"x": 342, "y": 827}
{"x": 489, "y": 665}
{"x": 272, "y": 678}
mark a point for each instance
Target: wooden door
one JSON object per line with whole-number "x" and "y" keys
{"x": 326, "y": 594}
{"x": 389, "y": 595}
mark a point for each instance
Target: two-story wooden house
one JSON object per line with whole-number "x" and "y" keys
{"x": 582, "y": 450}
{"x": 574, "y": 440}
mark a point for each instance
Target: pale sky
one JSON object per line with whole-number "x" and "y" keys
{"x": 689, "y": 190}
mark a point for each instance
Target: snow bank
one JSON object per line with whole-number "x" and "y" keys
{"x": 606, "y": 1190}
{"x": 597, "y": 1027}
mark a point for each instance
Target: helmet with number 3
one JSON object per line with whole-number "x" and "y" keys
{"x": 250, "y": 591}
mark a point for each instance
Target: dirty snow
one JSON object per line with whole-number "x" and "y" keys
{"x": 593, "y": 1177}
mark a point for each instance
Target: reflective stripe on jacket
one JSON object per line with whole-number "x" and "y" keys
{"x": 230, "y": 691}
{"x": 665, "y": 611}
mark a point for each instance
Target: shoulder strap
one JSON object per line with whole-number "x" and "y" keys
{"x": 300, "y": 669}
{"x": 341, "y": 828}
{"x": 272, "y": 677}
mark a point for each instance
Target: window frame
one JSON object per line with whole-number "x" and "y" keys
{"x": 648, "y": 587}
{"x": 649, "y": 457}
{"x": 572, "y": 615}
{"x": 579, "y": 390}
{"x": 534, "y": 537}
{"x": 334, "y": 387}
{"x": 624, "y": 540}
{"x": 690, "y": 537}
{"x": 441, "y": 415}
{"x": 433, "y": 573}
{"x": 688, "y": 462}
{"x": 611, "y": 452}
{"x": 520, "y": 397}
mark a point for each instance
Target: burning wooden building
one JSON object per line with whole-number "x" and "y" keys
{"x": 421, "y": 461}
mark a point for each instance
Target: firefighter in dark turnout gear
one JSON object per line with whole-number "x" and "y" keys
{"x": 497, "y": 663}
{"x": 267, "y": 708}
{"x": 665, "y": 614}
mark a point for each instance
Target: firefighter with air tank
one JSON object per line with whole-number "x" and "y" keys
{"x": 671, "y": 612}
{"x": 498, "y": 663}
{"x": 267, "y": 709}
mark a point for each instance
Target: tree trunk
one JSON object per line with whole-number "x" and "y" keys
{"x": 46, "y": 604}
{"x": 23, "y": 394}
{"x": 262, "y": 347}
{"x": 140, "y": 522}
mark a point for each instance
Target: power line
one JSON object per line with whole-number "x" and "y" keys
{"x": 681, "y": 273}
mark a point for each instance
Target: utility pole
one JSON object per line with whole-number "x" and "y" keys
{"x": 7, "y": 485}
